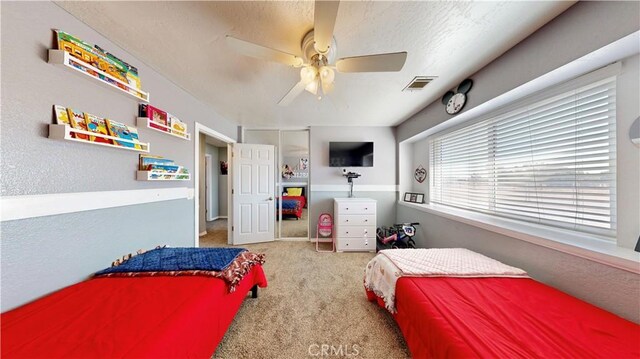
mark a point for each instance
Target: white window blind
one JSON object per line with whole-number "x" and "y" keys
{"x": 550, "y": 162}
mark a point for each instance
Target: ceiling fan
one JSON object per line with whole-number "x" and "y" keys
{"x": 318, "y": 53}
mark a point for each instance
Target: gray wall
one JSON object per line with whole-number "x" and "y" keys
{"x": 43, "y": 254}
{"x": 383, "y": 172}
{"x": 568, "y": 37}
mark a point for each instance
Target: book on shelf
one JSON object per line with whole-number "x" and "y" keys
{"x": 133, "y": 132}
{"x": 178, "y": 127}
{"x": 165, "y": 171}
{"x": 162, "y": 168}
{"x": 183, "y": 174}
{"x": 98, "y": 125}
{"x": 158, "y": 116}
{"x": 120, "y": 130}
{"x": 142, "y": 110}
{"x": 95, "y": 56}
{"x": 62, "y": 116}
{"x": 146, "y": 161}
{"x": 78, "y": 122}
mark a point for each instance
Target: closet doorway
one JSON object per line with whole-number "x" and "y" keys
{"x": 292, "y": 179}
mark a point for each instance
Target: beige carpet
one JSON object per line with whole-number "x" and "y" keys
{"x": 296, "y": 228}
{"x": 313, "y": 299}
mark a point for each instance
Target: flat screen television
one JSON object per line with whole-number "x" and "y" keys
{"x": 350, "y": 154}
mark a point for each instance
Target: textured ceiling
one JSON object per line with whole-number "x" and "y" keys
{"x": 185, "y": 42}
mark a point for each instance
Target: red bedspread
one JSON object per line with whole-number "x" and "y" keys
{"x": 141, "y": 317}
{"x": 293, "y": 205}
{"x": 506, "y": 318}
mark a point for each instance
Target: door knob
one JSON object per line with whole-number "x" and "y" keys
{"x": 270, "y": 199}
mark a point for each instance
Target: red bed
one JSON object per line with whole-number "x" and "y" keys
{"x": 293, "y": 205}
{"x": 141, "y": 317}
{"x": 444, "y": 317}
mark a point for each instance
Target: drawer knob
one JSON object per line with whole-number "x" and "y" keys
{"x": 347, "y": 208}
{"x": 365, "y": 208}
{"x": 347, "y": 220}
{"x": 347, "y": 232}
{"x": 366, "y": 220}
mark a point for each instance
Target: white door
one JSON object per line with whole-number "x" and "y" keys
{"x": 253, "y": 193}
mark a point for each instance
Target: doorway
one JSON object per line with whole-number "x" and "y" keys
{"x": 211, "y": 187}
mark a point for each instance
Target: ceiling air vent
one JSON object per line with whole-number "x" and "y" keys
{"x": 418, "y": 83}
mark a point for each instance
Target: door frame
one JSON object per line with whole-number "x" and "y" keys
{"x": 202, "y": 129}
{"x": 208, "y": 168}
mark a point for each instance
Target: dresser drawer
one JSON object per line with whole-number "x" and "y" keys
{"x": 357, "y": 219}
{"x": 356, "y": 231}
{"x": 355, "y": 244}
{"x": 356, "y": 208}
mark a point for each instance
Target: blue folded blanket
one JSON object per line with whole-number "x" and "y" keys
{"x": 177, "y": 259}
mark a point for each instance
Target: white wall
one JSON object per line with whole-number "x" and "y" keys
{"x": 566, "y": 38}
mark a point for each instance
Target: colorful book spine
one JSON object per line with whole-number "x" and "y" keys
{"x": 97, "y": 125}
{"x": 120, "y": 130}
{"x": 178, "y": 127}
{"x": 78, "y": 122}
{"x": 158, "y": 116}
{"x": 62, "y": 116}
{"x": 133, "y": 132}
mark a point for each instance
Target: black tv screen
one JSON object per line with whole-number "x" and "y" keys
{"x": 350, "y": 154}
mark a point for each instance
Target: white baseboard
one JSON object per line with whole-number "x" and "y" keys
{"x": 203, "y": 233}
{"x": 216, "y": 217}
{"x": 23, "y": 207}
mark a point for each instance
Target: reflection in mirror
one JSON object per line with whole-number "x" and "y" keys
{"x": 294, "y": 178}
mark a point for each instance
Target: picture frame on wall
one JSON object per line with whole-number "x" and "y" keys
{"x": 414, "y": 197}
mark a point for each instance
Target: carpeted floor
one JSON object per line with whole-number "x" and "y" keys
{"x": 296, "y": 228}
{"x": 313, "y": 299}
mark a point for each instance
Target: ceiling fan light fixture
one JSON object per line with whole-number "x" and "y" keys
{"x": 308, "y": 74}
{"x": 327, "y": 75}
{"x": 313, "y": 86}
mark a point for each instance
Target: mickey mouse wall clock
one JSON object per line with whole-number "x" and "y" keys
{"x": 455, "y": 101}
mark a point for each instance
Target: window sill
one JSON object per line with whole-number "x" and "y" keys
{"x": 581, "y": 245}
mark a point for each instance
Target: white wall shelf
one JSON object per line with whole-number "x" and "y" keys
{"x": 75, "y": 65}
{"x": 66, "y": 132}
{"x": 161, "y": 176}
{"x": 146, "y": 122}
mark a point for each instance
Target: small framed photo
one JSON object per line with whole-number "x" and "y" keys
{"x": 414, "y": 197}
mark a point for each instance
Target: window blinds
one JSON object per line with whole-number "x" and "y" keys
{"x": 550, "y": 162}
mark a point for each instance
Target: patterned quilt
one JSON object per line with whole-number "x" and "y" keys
{"x": 384, "y": 270}
{"x": 229, "y": 264}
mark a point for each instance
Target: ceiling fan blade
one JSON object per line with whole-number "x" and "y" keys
{"x": 373, "y": 63}
{"x": 262, "y": 52}
{"x": 324, "y": 20}
{"x": 292, "y": 94}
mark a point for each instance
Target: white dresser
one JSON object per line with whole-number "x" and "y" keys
{"x": 355, "y": 220}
